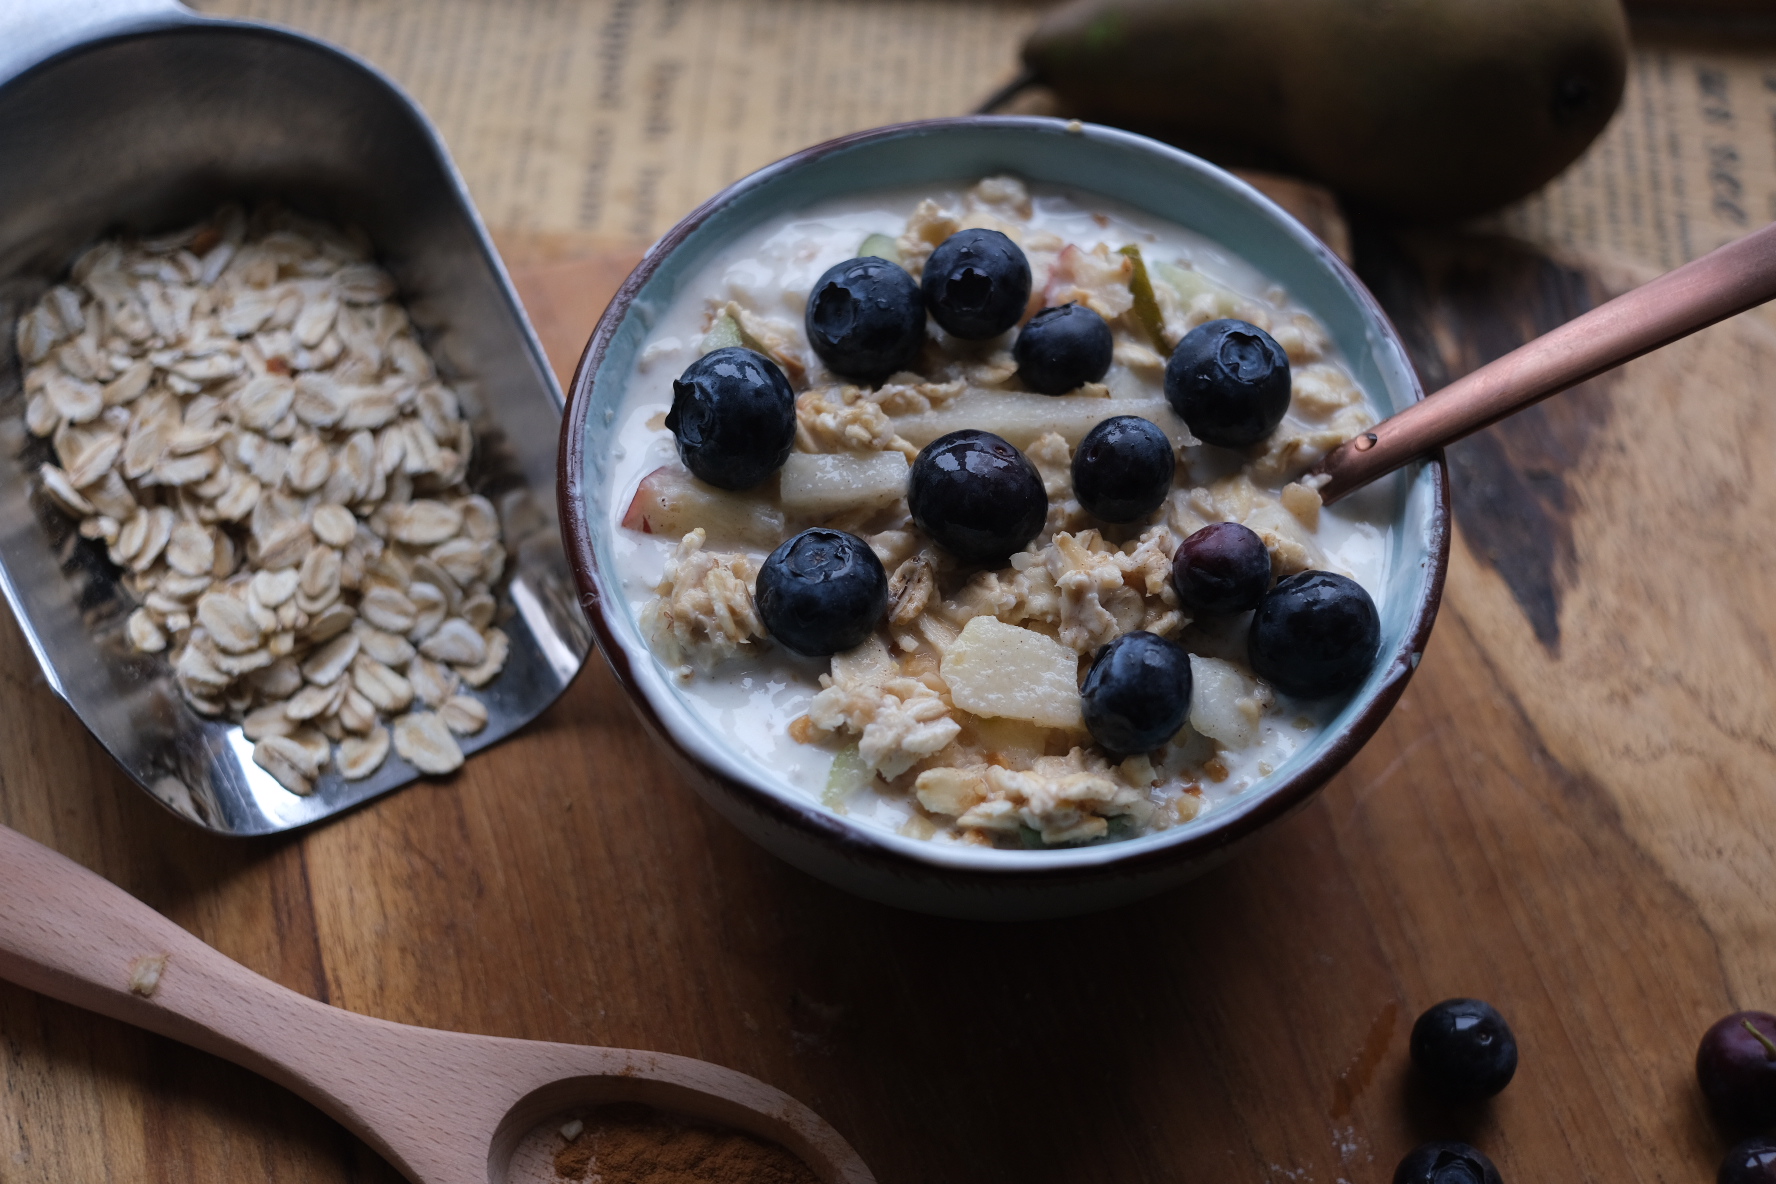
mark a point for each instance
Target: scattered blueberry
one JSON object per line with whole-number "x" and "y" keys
{"x": 1315, "y": 634}
{"x": 821, "y": 592}
{"x": 1061, "y": 349}
{"x": 1446, "y": 1162}
{"x": 1137, "y": 693}
{"x": 733, "y": 416}
{"x": 1464, "y": 1050}
{"x": 1221, "y": 569}
{"x": 1750, "y": 1162}
{"x": 979, "y": 497}
{"x": 1229, "y": 380}
{"x": 1736, "y": 1067}
{"x": 1123, "y": 469}
{"x": 866, "y": 319}
{"x": 977, "y": 284}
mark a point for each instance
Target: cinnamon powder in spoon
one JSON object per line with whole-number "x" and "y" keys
{"x": 637, "y": 1145}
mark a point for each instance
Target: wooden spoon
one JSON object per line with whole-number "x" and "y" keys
{"x": 443, "y": 1107}
{"x": 1726, "y": 281}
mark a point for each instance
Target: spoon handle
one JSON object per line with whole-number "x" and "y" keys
{"x": 1726, "y": 281}
{"x": 70, "y": 934}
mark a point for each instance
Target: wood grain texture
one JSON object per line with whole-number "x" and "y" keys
{"x": 1568, "y": 814}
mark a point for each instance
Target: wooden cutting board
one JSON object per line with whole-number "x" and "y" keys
{"x": 1571, "y": 813}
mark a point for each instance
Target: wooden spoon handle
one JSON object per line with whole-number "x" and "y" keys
{"x": 73, "y": 935}
{"x": 1736, "y": 277}
{"x": 70, "y": 934}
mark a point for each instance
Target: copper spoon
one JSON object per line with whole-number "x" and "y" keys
{"x": 1736, "y": 277}
{"x": 443, "y": 1107}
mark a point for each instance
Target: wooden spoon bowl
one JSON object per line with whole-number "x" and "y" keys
{"x": 443, "y": 1107}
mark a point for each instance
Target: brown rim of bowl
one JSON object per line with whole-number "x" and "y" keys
{"x": 858, "y": 843}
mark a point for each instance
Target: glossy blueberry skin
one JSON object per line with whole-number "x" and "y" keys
{"x": 733, "y": 416}
{"x": 1750, "y": 1162}
{"x": 1446, "y": 1162}
{"x": 1123, "y": 469}
{"x": 1463, "y": 1050}
{"x": 1737, "y": 1072}
{"x": 979, "y": 497}
{"x": 1314, "y": 634}
{"x": 976, "y": 284}
{"x": 1137, "y": 694}
{"x": 1061, "y": 349}
{"x": 1229, "y": 381}
{"x": 1221, "y": 569}
{"x": 822, "y": 592}
{"x": 866, "y": 319}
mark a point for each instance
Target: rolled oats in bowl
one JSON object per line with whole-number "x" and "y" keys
{"x": 981, "y": 705}
{"x": 242, "y": 414}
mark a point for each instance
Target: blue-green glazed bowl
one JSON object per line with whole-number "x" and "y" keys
{"x": 951, "y": 879}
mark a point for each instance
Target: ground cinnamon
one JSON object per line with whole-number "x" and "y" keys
{"x": 638, "y": 1145}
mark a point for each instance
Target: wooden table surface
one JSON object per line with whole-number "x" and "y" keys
{"x": 1572, "y": 813}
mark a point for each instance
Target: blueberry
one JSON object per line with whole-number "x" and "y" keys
{"x": 1736, "y": 1068}
{"x": 866, "y": 319}
{"x": 1446, "y": 1162}
{"x": 733, "y": 416}
{"x": 1221, "y": 569}
{"x": 1137, "y": 693}
{"x": 1229, "y": 381}
{"x": 1751, "y": 1162}
{"x": 979, "y": 497}
{"x": 1315, "y": 634}
{"x": 1464, "y": 1050}
{"x": 1123, "y": 469}
{"x": 977, "y": 284}
{"x": 821, "y": 592}
{"x": 1061, "y": 349}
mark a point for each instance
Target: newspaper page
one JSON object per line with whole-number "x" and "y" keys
{"x": 614, "y": 118}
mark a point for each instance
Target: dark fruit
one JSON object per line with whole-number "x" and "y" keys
{"x": 1464, "y": 1050}
{"x": 1315, "y": 634}
{"x": 1736, "y": 1067}
{"x": 1338, "y": 99}
{"x": 977, "y": 284}
{"x": 1446, "y": 1162}
{"x": 1750, "y": 1162}
{"x": 821, "y": 592}
{"x": 1221, "y": 569}
{"x": 1229, "y": 381}
{"x": 1061, "y": 349}
{"x": 866, "y": 319}
{"x": 733, "y": 416}
{"x": 1137, "y": 693}
{"x": 979, "y": 497}
{"x": 1123, "y": 469}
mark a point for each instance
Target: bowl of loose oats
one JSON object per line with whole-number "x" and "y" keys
{"x": 943, "y": 497}
{"x": 276, "y": 475}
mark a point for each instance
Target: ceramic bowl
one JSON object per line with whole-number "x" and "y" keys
{"x": 954, "y": 879}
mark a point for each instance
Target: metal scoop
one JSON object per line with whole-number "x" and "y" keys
{"x": 141, "y": 116}
{"x": 443, "y": 1107}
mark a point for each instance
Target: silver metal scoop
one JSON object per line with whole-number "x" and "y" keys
{"x": 139, "y": 115}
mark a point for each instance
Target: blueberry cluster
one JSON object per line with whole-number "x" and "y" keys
{"x": 1462, "y": 1053}
{"x": 1312, "y": 635}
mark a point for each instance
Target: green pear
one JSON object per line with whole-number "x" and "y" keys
{"x": 1428, "y": 109}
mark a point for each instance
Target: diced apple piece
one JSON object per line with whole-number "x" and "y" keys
{"x": 1224, "y": 703}
{"x": 1021, "y": 418}
{"x": 1190, "y": 283}
{"x": 995, "y": 669}
{"x": 671, "y": 502}
{"x": 881, "y": 246}
{"x": 820, "y": 484}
